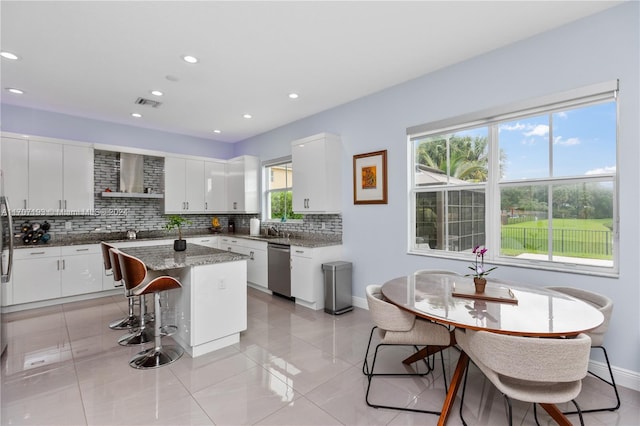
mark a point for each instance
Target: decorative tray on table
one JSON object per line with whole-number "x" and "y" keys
{"x": 492, "y": 294}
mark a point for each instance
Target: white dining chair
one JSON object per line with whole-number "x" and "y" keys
{"x": 529, "y": 369}
{"x": 398, "y": 327}
{"x": 605, "y": 306}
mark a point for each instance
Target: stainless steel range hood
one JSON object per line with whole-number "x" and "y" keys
{"x": 131, "y": 178}
{"x": 131, "y": 173}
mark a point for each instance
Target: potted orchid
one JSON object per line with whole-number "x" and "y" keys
{"x": 479, "y": 271}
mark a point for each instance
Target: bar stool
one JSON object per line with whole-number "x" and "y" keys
{"x": 134, "y": 273}
{"x": 143, "y": 333}
{"x": 131, "y": 320}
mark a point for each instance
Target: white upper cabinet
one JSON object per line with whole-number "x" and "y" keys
{"x": 242, "y": 184}
{"x": 184, "y": 185}
{"x": 77, "y": 177}
{"x": 15, "y": 171}
{"x": 60, "y": 177}
{"x": 215, "y": 186}
{"x": 317, "y": 174}
{"x": 206, "y": 186}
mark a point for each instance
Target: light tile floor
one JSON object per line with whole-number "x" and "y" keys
{"x": 293, "y": 366}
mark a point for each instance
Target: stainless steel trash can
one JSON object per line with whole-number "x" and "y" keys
{"x": 337, "y": 287}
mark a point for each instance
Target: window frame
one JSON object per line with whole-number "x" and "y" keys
{"x": 266, "y": 192}
{"x": 492, "y": 119}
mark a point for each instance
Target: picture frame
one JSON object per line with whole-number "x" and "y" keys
{"x": 370, "y": 178}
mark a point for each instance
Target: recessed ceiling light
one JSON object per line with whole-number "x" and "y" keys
{"x": 217, "y": 131}
{"x": 15, "y": 91}
{"x": 247, "y": 115}
{"x": 136, "y": 115}
{"x": 9, "y": 55}
{"x": 293, "y": 95}
{"x": 190, "y": 59}
{"x": 156, "y": 93}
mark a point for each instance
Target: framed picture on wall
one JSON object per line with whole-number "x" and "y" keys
{"x": 370, "y": 178}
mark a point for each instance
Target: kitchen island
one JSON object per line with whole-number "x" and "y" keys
{"x": 210, "y": 310}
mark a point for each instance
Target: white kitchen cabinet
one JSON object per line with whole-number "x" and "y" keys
{"x": 15, "y": 171}
{"x": 257, "y": 262}
{"x": 36, "y": 274}
{"x": 204, "y": 241}
{"x": 215, "y": 186}
{"x": 243, "y": 184}
{"x": 307, "y": 277}
{"x": 317, "y": 174}
{"x": 184, "y": 185}
{"x": 60, "y": 177}
{"x": 82, "y": 269}
{"x": 43, "y": 273}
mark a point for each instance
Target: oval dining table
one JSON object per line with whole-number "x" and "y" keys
{"x": 505, "y": 307}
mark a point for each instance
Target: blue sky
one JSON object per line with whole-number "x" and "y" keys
{"x": 584, "y": 142}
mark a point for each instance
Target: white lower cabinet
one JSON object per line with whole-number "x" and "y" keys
{"x": 307, "y": 277}
{"x": 257, "y": 262}
{"x": 43, "y": 273}
{"x": 36, "y": 274}
{"x": 82, "y": 269}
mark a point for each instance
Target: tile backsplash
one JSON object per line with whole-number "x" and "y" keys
{"x": 147, "y": 214}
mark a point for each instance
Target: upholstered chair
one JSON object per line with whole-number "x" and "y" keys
{"x": 130, "y": 321}
{"x": 529, "y": 369}
{"x": 604, "y": 305}
{"x": 398, "y": 327}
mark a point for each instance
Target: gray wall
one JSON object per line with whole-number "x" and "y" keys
{"x": 599, "y": 48}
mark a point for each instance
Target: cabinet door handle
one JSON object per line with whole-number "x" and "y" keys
{"x": 65, "y": 204}
{"x": 59, "y": 204}
{"x": 58, "y": 263}
{"x": 187, "y": 205}
{"x": 228, "y": 248}
{"x": 83, "y": 249}
{"x": 251, "y": 255}
{"x": 37, "y": 252}
{"x": 25, "y": 203}
{"x": 206, "y": 205}
{"x": 63, "y": 264}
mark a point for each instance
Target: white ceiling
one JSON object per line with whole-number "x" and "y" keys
{"x": 94, "y": 59}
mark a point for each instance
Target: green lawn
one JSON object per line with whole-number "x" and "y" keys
{"x": 586, "y": 238}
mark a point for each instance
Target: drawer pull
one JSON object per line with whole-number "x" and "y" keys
{"x": 300, "y": 251}
{"x": 37, "y": 252}
{"x": 84, "y": 249}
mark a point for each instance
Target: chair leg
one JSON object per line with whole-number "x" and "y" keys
{"x": 128, "y": 322}
{"x": 158, "y": 355}
{"x": 370, "y": 378}
{"x": 464, "y": 388}
{"x": 143, "y": 335}
{"x": 611, "y": 383}
{"x": 365, "y": 364}
{"x": 509, "y": 410}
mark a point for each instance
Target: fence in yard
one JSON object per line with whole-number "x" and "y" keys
{"x": 567, "y": 241}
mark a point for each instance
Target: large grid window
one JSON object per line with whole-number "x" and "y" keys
{"x": 536, "y": 185}
{"x": 278, "y": 190}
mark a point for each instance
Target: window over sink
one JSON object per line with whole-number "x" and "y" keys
{"x": 278, "y": 190}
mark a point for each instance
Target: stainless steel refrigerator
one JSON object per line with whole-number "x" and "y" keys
{"x": 6, "y": 249}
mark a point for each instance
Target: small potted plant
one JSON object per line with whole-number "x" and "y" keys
{"x": 479, "y": 272}
{"x": 177, "y": 221}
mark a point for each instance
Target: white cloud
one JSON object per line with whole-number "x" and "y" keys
{"x": 517, "y": 126}
{"x": 538, "y": 130}
{"x": 602, "y": 170}
{"x": 561, "y": 114}
{"x": 567, "y": 142}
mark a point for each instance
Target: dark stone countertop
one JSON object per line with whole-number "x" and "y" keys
{"x": 163, "y": 257}
{"x": 303, "y": 240}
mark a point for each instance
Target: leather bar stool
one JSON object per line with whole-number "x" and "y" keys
{"x": 143, "y": 333}
{"x": 134, "y": 273}
{"x": 130, "y": 321}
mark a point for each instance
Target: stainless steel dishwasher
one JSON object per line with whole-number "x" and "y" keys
{"x": 279, "y": 272}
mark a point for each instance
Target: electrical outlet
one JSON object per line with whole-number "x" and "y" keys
{"x": 67, "y": 225}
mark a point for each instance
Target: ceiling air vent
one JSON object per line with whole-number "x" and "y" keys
{"x": 147, "y": 102}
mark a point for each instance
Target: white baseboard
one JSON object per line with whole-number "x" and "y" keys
{"x": 625, "y": 378}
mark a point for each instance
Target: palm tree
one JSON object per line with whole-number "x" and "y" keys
{"x": 467, "y": 156}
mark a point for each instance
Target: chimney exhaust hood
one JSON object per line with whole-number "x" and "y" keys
{"x": 131, "y": 178}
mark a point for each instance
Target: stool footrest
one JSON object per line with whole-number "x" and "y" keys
{"x": 153, "y": 358}
{"x": 168, "y": 330}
